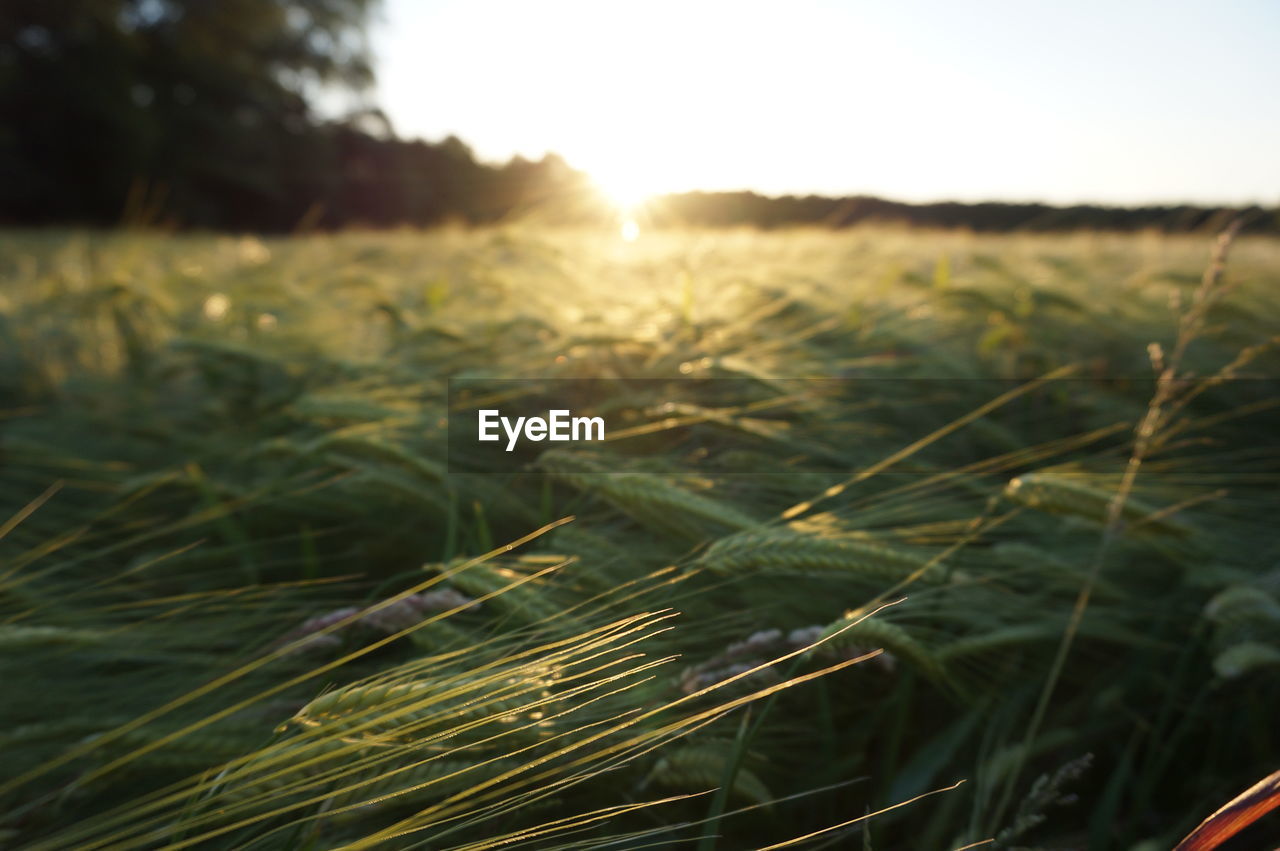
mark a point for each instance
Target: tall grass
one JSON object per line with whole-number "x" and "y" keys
{"x": 245, "y": 603}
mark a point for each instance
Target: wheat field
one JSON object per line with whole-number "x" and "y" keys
{"x": 1018, "y": 586}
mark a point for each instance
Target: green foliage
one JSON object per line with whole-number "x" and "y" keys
{"x": 176, "y": 107}
{"x": 245, "y": 602}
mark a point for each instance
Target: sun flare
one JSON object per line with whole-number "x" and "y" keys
{"x": 627, "y": 189}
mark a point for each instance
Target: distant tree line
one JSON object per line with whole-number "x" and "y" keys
{"x": 750, "y": 208}
{"x": 198, "y": 113}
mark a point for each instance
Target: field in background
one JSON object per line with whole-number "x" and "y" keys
{"x": 219, "y": 452}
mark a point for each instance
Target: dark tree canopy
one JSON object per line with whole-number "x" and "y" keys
{"x": 198, "y": 104}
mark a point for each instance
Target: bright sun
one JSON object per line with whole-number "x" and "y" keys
{"x": 628, "y": 189}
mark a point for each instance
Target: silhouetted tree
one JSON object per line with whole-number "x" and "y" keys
{"x": 203, "y": 100}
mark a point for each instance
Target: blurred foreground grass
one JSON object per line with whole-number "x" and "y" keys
{"x": 219, "y": 452}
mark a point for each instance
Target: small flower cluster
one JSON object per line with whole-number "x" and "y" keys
{"x": 757, "y": 650}
{"x": 389, "y": 619}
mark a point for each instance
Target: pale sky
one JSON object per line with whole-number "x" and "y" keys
{"x": 1115, "y": 102}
